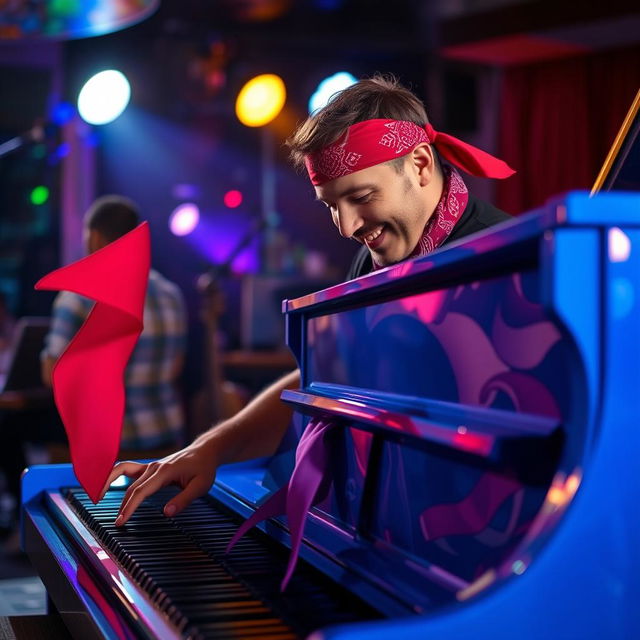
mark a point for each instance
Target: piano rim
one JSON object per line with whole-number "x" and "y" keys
{"x": 39, "y": 529}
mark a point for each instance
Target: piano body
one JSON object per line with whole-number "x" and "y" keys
{"x": 484, "y": 472}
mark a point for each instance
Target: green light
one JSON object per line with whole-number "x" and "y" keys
{"x": 39, "y": 195}
{"x": 65, "y": 7}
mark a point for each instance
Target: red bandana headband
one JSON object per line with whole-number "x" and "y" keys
{"x": 372, "y": 142}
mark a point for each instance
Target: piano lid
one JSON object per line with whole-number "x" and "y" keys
{"x": 621, "y": 169}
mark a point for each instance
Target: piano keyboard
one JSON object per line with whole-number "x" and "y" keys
{"x": 180, "y": 564}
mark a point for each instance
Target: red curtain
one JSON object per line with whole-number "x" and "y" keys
{"x": 557, "y": 122}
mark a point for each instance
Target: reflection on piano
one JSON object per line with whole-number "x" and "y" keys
{"x": 484, "y": 480}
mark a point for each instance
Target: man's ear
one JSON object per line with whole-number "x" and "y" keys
{"x": 424, "y": 163}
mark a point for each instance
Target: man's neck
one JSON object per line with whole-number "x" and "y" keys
{"x": 433, "y": 194}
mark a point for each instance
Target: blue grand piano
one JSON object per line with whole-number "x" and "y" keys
{"x": 484, "y": 465}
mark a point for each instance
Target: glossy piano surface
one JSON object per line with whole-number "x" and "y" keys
{"x": 483, "y": 475}
{"x": 160, "y": 577}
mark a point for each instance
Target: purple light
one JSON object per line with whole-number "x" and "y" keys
{"x": 184, "y": 191}
{"x": 184, "y": 219}
{"x": 219, "y": 233}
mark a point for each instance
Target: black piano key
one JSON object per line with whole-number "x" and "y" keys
{"x": 181, "y": 564}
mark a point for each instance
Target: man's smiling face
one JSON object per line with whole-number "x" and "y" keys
{"x": 385, "y": 207}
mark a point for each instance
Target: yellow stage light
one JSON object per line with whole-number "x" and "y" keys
{"x": 260, "y": 100}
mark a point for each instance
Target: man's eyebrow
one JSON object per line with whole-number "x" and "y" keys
{"x": 350, "y": 190}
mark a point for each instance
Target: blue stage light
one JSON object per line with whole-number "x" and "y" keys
{"x": 62, "y": 113}
{"x": 329, "y": 87}
{"x": 104, "y": 97}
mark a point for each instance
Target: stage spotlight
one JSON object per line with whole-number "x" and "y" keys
{"x": 261, "y": 100}
{"x": 184, "y": 219}
{"x": 39, "y": 195}
{"x": 104, "y": 97}
{"x": 232, "y": 199}
{"x": 329, "y": 87}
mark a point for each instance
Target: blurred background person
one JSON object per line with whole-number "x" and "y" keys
{"x": 154, "y": 418}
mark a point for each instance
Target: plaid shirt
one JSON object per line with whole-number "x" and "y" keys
{"x": 153, "y": 414}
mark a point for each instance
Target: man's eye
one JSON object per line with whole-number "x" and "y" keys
{"x": 362, "y": 199}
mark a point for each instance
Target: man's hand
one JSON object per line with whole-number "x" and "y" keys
{"x": 192, "y": 469}
{"x": 253, "y": 432}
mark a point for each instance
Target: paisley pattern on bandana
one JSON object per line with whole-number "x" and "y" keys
{"x": 402, "y": 137}
{"x": 372, "y": 142}
{"x": 336, "y": 161}
{"x": 446, "y": 215}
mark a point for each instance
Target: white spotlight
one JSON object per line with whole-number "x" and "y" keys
{"x": 328, "y": 87}
{"x": 104, "y": 97}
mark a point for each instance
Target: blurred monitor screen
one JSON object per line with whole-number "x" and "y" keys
{"x": 262, "y": 296}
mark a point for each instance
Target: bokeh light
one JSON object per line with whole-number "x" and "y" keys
{"x": 232, "y": 199}
{"x": 329, "y": 87}
{"x": 261, "y": 100}
{"x": 104, "y": 97}
{"x": 184, "y": 219}
{"x": 39, "y": 195}
{"x": 619, "y": 245}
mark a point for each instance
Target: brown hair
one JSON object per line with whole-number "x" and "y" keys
{"x": 112, "y": 216}
{"x": 377, "y": 97}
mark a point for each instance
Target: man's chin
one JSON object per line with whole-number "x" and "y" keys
{"x": 386, "y": 259}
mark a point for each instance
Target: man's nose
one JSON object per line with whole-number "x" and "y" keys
{"x": 348, "y": 220}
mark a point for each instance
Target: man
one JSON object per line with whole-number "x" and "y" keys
{"x": 153, "y": 418}
{"x": 371, "y": 158}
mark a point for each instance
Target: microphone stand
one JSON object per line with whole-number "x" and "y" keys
{"x": 35, "y": 134}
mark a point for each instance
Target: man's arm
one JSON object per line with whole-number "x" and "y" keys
{"x": 46, "y": 369}
{"x": 253, "y": 432}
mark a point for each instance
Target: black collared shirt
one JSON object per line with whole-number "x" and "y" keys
{"x": 477, "y": 216}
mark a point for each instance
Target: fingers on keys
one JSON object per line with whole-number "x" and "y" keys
{"x": 148, "y": 482}
{"x": 128, "y": 469}
{"x": 196, "y": 487}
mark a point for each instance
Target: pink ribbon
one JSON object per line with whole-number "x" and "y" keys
{"x": 307, "y": 486}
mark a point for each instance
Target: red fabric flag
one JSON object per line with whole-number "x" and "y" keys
{"x": 88, "y": 378}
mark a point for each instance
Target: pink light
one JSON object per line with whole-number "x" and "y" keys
{"x": 184, "y": 219}
{"x": 233, "y": 199}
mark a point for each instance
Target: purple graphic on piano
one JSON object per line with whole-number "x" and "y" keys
{"x": 490, "y": 344}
